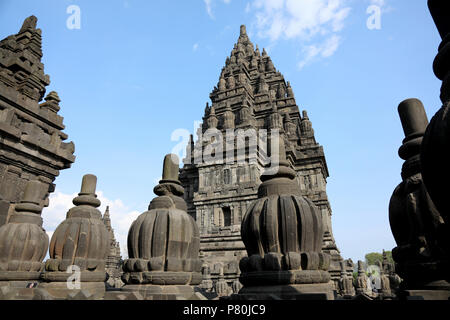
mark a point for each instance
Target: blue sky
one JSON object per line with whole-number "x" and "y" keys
{"x": 135, "y": 71}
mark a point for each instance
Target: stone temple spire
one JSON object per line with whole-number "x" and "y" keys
{"x": 252, "y": 95}
{"x": 114, "y": 259}
{"x": 22, "y": 53}
{"x": 32, "y": 143}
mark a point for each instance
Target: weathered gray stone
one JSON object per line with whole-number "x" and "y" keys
{"x": 163, "y": 242}
{"x": 114, "y": 259}
{"x": 23, "y": 241}
{"x": 283, "y": 235}
{"x": 416, "y": 223}
{"x": 250, "y": 95}
{"x": 346, "y": 288}
{"x": 32, "y": 143}
{"x": 79, "y": 244}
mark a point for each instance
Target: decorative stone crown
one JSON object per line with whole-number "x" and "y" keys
{"x": 283, "y": 231}
{"x": 163, "y": 242}
{"x": 82, "y": 239}
{"x": 23, "y": 241}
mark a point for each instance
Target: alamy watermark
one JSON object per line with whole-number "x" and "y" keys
{"x": 74, "y": 20}
{"x": 74, "y": 280}
{"x": 374, "y": 20}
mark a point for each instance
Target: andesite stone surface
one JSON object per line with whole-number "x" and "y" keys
{"x": 23, "y": 241}
{"x": 250, "y": 95}
{"x": 283, "y": 235}
{"x": 80, "y": 243}
{"x": 32, "y": 143}
{"x": 163, "y": 244}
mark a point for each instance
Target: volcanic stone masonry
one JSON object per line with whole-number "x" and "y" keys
{"x": 283, "y": 234}
{"x": 250, "y": 94}
{"x": 32, "y": 143}
{"x": 163, "y": 244}
{"x": 419, "y": 206}
{"x": 114, "y": 260}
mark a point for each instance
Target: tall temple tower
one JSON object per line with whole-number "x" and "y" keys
{"x": 114, "y": 259}
{"x": 251, "y": 97}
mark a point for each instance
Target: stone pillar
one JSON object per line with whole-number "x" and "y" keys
{"x": 163, "y": 244}
{"x": 23, "y": 241}
{"x": 79, "y": 244}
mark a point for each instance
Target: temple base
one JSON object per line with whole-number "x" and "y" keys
{"x": 169, "y": 292}
{"x": 437, "y": 290}
{"x": 314, "y": 291}
{"x": 85, "y": 291}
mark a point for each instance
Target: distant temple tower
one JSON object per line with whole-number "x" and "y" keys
{"x": 251, "y": 95}
{"x": 114, "y": 260}
{"x": 32, "y": 143}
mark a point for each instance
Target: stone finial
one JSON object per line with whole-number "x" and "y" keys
{"x": 306, "y": 127}
{"x": 52, "y": 101}
{"x": 170, "y": 167}
{"x": 87, "y": 194}
{"x": 290, "y": 92}
{"x": 413, "y": 117}
{"x": 264, "y": 53}
{"x": 82, "y": 238}
{"x": 207, "y": 109}
{"x": 88, "y": 184}
{"x": 29, "y": 23}
{"x": 23, "y": 242}
{"x": 243, "y": 31}
{"x": 414, "y": 122}
{"x": 106, "y": 214}
{"x": 305, "y": 115}
{"x": 164, "y": 238}
{"x": 212, "y": 120}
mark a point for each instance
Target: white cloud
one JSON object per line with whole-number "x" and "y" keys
{"x": 208, "y": 4}
{"x": 325, "y": 50}
{"x": 313, "y": 23}
{"x": 195, "y": 47}
{"x": 121, "y": 215}
{"x": 209, "y": 8}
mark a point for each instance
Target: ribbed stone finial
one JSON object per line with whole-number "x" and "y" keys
{"x": 23, "y": 241}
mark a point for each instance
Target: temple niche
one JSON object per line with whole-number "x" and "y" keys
{"x": 251, "y": 95}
